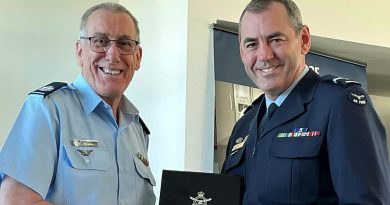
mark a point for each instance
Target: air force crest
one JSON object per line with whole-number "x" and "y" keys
{"x": 200, "y": 199}
{"x": 358, "y": 98}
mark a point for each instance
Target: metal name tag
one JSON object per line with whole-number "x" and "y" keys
{"x": 84, "y": 143}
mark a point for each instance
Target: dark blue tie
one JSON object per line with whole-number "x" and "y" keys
{"x": 271, "y": 110}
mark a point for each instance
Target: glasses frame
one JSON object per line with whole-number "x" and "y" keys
{"x": 110, "y": 44}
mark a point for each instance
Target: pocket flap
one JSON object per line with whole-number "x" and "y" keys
{"x": 296, "y": 147}
{"x": 143, "y": 170}
{"x": 87, "y": 157}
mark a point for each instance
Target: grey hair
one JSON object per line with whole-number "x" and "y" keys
{"x": 110, "y": 6}
{"x": 258, "y": 6}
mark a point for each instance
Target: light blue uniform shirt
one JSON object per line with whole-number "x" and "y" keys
{"x": 39, "y": 151}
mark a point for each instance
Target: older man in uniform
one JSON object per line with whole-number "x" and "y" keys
{"x": 84, "y": 143}
{"x": 307, "y": 140}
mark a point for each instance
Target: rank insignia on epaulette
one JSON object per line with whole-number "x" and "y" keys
{"x": 340, "y": 80}
{"x": 358, "y": 98}
{"x": 47, "y": 89}
{"x": 344, "y": 81}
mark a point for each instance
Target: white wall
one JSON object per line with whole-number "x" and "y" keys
{"x": 174, "y": 88}
{"x": 200, "y": 78}
{"x": 358, "y": 21}
{"x": 37, "y": 47}
{"x": 159, "y": 87}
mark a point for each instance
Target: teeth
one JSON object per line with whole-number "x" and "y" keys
{"x": 110, "y": 72}
{"x": 267, "y": 69}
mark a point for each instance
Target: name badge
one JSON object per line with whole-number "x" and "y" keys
{"x": 84, "y": 143}
{"x": 239, "y": 144}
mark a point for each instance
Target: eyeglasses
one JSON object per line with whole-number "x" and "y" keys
{"x": 102, "y": 44}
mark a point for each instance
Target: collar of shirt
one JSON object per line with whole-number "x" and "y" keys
{"x": 279, "y": 100}
{"x": 89, "y": 99}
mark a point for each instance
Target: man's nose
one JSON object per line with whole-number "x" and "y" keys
{"x": 264, "y": 52}
{"x": 112, "y": 53}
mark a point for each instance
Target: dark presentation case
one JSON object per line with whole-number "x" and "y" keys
{"x": 198, "y": 188}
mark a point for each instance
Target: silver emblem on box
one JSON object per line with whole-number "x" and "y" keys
{"x": 200, "y": 199}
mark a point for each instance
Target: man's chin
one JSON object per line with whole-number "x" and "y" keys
{"x": 111, "y": 94}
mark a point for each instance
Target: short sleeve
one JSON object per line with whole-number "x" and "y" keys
{"x": 29, "y": 154}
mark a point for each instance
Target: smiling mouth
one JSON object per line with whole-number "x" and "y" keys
{"x": 267, "y": 70}
{"x": 109, "y": 71}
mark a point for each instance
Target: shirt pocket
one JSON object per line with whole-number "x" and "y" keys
{"x": 293, "y": 171}
{"x": 143, "y": 170}
{"x": 86, "y": 175}
{"x": 295, "y": 147}
{"x": 88, "y": 158}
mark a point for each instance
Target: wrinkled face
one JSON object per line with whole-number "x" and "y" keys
{"x": 271, "y": 51}
{"x": 108, "y": 73}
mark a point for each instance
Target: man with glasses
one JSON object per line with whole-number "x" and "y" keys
{"x": 84, "y": 143}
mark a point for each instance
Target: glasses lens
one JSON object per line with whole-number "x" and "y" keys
{"x": 126, "y": 46}
{"x": 99, "y": 44}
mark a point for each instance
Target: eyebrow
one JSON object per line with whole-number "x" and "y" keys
{"x": 124, "y": 36}
{"x": 270, "y": 36}
{"x": 247, "y": 40}
{"x": 100, "y": 34}
{"x": 275, "y": 34}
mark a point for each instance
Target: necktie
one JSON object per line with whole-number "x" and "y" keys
{"x": 271, "y": 110}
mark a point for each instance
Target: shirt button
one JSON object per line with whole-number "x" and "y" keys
{"x": 86, "y": 160}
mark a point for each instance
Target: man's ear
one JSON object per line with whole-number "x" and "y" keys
{"x": 305, "y": 39}
{"x": 79, "y": 53}
{"x": 138, "y": 57}
{"x": 241, "y": 50}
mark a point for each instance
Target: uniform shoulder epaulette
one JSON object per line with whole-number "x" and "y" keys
{"x": 345, "y": 82}
{"x": 254, "y": 103}
{"x": 356, "y": 96}
{"x": 144, "y": 127}
{"x": 47, "y": 89}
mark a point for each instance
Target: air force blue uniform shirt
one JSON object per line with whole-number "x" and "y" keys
{"x": 67, "y": 147}
{"x": 324, "y": 145}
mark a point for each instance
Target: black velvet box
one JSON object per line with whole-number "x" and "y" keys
{"x": 197, "y": 188}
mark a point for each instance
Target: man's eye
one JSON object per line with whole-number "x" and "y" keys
{"x": 276, "y": 42}
{"x": 250, "y": 46}
{"x": 125, "y": 43}
{"x": 100, "y": 41}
